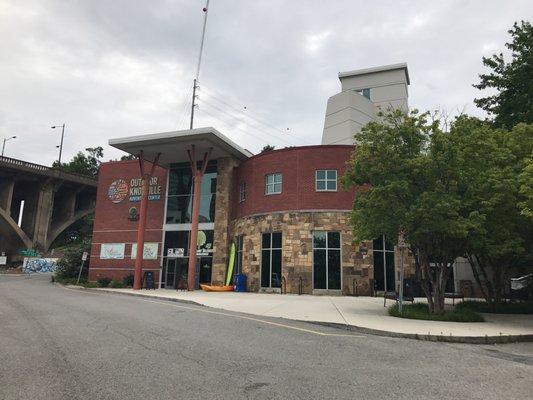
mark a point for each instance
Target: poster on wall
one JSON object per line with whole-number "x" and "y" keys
{"x": 204, "y": 243}
{"x": 150, "y": 251}
{"x": 112, "y": 251}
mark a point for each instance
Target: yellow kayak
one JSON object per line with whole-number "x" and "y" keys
{"x": 213, "y": 288}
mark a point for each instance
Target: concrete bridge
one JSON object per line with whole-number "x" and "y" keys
{"x": 38, "y": 203}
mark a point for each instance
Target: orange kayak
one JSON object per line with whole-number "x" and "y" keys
{"x": 212, "y": 288}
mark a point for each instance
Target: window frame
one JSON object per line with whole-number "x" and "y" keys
{"x": 274, "y": 183}
{"x": 326, "y": 180}
{"x": 384, "y": 250}
{"x": 363, "y": 91}
{"x": 270, "y": 250}
{"x": 327, "y": 248}
{"x": 242, "y": 192}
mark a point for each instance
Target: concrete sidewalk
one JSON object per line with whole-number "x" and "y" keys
{"x": 357, "y": 313}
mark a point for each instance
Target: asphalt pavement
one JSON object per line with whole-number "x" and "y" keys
{"x": 59, "y": 343}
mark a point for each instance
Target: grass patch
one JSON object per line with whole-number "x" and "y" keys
{"x": 421, "y": 311}
{"x": 502, "y": 307}
{"x": 74, "y": 281}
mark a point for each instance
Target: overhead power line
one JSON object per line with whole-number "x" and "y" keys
{"x": 246, "y": 132}
{"x": 247, "y": 114}
{"x": 242, "y": 120}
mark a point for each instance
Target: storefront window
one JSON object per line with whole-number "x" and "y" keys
{"x": 180, "y": 186}
{"x": 326, "y": 260}
{"x": 175, "y": 267}
{"x": 383, "y": 264}
{"x": 271, "y": 260}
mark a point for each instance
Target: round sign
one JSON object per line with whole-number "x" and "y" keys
{"x": 118, "y": 191}
{"x": 202, "y": 238}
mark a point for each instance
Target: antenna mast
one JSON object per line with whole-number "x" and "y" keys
{"x": 195, "y": 82}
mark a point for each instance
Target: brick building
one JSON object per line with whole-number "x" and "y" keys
{"x": 285, "y": 210}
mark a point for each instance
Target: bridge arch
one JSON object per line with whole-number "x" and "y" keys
{"x": 55, "y": 232}
{"x": 15, "y": 228}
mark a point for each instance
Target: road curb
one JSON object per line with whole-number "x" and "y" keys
{"x": 430, "y": 338}
{"x": 352, "y": 328}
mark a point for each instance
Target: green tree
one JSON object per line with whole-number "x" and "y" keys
{"x": 526, "y": 188}
{"x": 491, "y": 162}
{"x": 512, "y": 81}
{"x": 84, "y": 163}
{"x": 268, "y": 147}
{"x": 406, "y": 175}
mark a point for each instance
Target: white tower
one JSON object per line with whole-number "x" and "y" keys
{"x": 364, "y": 93}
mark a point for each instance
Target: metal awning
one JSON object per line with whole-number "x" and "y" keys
{"x": 173, "y": 146}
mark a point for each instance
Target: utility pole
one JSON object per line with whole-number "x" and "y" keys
{"x": 193, "y": 104}
{"x": 62, "y": 136}
{"x": 195, "y": 82}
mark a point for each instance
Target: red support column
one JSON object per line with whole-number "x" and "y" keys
{"x": 191, "y": 276}
{"x": 141, "y": 227}
{"x": 197, "y": 174}
{"x": 137, "y": 277}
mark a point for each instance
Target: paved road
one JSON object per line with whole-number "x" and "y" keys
{"x": 58, "y": 343}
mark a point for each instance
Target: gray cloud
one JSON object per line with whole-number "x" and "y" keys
{"x": 116, "y": 68}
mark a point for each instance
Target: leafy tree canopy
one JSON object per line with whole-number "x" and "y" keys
{"x": 268, "y": 147}
{"x": 84, "y": 163}
{"x": 492, "y": 163}
{"x": 512, "y": 81}
{"x": 404, "y": 167}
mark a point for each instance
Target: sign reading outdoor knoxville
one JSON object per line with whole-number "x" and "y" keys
{"x": 120, "y": 189}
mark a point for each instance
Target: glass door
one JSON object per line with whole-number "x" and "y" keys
{"x": 170, "y": 273}
{"x": 204, "y": 265}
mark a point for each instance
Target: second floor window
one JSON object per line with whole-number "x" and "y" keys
{"x": 364, "y": 92}
{"x": 273, "y": 184}
{"x": 326, "y": 180}
{"x": 242, "y": 192}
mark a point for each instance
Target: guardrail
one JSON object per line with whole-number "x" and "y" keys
{"x": 43, "y": 169}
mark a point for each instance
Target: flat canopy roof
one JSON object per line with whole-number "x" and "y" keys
{"x": 173, "y": 146}
{"x": 372, "y": 70}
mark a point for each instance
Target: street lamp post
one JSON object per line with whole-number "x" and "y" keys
{"x": 4, "y": 144}
{"x": 61, "y": 145}
{"x": 402, "y": 245}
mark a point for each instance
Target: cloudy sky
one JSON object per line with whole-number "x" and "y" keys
{"x": 112, "y": 68}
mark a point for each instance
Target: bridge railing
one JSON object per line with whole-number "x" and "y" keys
{"x": 45, "y": 170}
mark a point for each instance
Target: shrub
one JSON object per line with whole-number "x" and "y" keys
{"x": 69, "y": 265}
{"x": 502, "y": 307}
{"x": 421, "y": 311}
{"x": 104, "y": 282}
{"x": 128, "y": 280}
{"x": 116, "y": 284}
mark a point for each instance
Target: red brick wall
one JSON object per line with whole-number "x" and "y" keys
{"x": 112, "y": 225}
{"x": 298, "y": 165}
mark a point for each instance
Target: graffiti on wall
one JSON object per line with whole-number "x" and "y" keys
{"x": 35, "y": 264}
